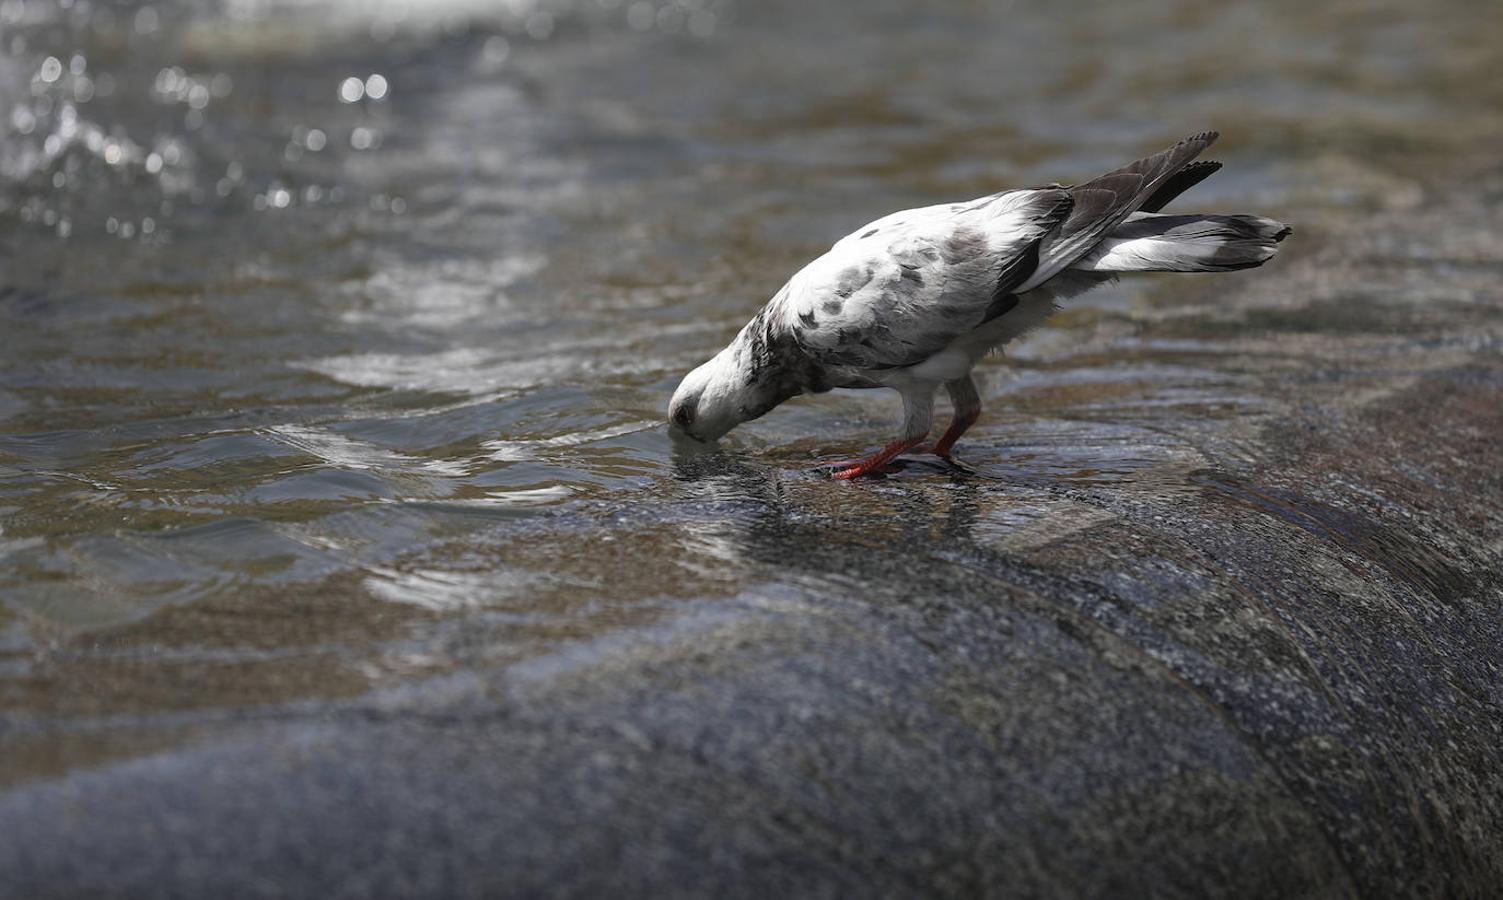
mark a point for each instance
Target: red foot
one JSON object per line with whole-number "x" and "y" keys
{"x": 855, "y": 468}
{"x": 877, "y": 462}
{"x": 946, "y": 443}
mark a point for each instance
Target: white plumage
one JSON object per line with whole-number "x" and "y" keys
{"x": 913, "y": 300}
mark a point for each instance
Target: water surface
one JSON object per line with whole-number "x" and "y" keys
{"x": 338, "y": 336}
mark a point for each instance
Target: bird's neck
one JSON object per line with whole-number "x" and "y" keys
{"x": 770, "y": 365}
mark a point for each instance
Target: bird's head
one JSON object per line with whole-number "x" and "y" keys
{"x": 761, "y": 368}
{"x": 712, "y": 399}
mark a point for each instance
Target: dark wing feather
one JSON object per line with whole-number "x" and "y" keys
{"x": 1103, "y": 203}
{"x": 1178, "y": 183}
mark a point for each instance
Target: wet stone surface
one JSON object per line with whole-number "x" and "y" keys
{"x": 343, "y": 553}
{"x": 1259, "y": 660}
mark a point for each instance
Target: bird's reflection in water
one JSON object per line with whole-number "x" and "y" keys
{"x": 804, "y": 524}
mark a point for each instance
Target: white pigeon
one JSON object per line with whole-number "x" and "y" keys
{"x": 914, "y": 300}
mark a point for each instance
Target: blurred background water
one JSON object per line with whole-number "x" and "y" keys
{"x": 337, "y": 336}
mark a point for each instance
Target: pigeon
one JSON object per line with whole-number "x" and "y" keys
{"x": 915, "y": 299}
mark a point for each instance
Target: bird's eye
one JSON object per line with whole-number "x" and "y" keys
{"x": 683, "y": 417}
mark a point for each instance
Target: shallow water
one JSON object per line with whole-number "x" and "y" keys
{"x": 313, "y": 387}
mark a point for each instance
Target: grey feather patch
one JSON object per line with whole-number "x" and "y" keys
{"x": 964, "y": 245}
{"x": 775, "y": 367}
{"x": 852, "y": 280}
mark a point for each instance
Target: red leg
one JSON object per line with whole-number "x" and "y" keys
{"x": 952, "y": 434}
{"x": 967, "y": 403}
{"x": 877, "y": 460}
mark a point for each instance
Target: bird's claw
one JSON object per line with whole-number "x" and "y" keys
{"x": 879, "y": 463}
{"x": 845, "y": 471}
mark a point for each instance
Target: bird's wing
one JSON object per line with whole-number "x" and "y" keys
{"x": 903, "y": 288}
{"x": 1103, "y": 203}
{"x": 1178, "y": 183}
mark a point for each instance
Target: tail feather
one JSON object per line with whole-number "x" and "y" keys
{"x": 1149, "y": 242}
